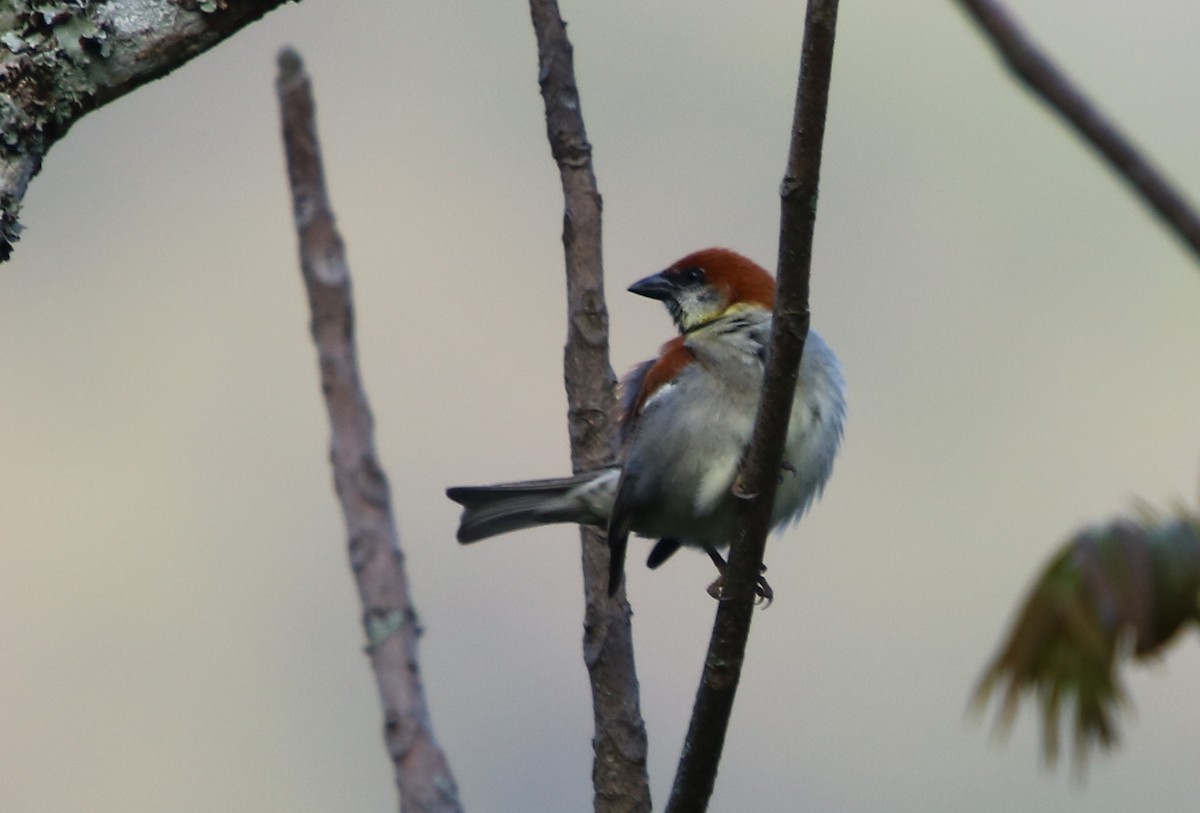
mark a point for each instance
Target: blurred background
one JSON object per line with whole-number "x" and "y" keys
{"x": 178, "y": 624}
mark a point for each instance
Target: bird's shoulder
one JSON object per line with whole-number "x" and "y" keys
{"x": 651, "y": 378}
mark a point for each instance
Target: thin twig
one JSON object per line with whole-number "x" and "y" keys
{"x": 619, "y": 766}
{"x": 1041, "y": 75}
{"x": 759, "y": 475}
{"x": 422, "y": 773}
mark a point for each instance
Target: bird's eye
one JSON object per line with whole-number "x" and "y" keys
{"x": 692, "y": 275}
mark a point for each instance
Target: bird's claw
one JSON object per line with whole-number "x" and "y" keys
{"x": 763, "y": 594}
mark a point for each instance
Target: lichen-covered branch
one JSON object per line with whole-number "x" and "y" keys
{"x": 619, "y": 765}
{"x": 759, "y": 475}
{"x": 60, "y": 59}
{"x": 389, "y": 619}
{"x": 1041, "y": 76}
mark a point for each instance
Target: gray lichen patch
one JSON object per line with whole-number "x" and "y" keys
{"x": 135, "y": 17}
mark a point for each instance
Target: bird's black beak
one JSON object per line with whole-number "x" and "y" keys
{"x": 655, "y": 287}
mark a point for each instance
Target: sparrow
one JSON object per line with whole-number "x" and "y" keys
{"x": 686, "y": 418}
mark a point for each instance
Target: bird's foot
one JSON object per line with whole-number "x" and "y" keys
{"x": 763, "y": 594}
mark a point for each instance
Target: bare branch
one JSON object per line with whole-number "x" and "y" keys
{"x": 422, "y": 773}
{"x": 60, "y": 61}
{"x": 619, "y": 766}
{"x": 1042, "y": 77}
{"x": 758, "y": 478}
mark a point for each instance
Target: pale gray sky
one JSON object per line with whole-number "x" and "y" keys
{"x": 178, "y": 624}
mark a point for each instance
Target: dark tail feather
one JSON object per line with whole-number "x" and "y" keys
{"x": 662, "y": 551}
{"x": 498, "y": 509}
{"x": 618, "y": 541}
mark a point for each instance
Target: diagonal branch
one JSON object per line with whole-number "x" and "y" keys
{"x": 422, "y": 773}
{"x": 619, "y": 766}
{"x": 758, "y": 479}
{"x": 1042, "y": 77}
{"x": 59, "y": 61}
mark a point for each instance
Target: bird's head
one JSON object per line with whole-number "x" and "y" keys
{"x": 707, "y": 285}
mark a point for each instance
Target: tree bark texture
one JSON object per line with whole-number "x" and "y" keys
{"x": 60, "y": 59}
{"x": 422, "y": 773}
{"x": 619, "y": 774}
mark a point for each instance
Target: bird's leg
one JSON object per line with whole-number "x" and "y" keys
{"x": 763, "y": 593}
{"x": 717, "y": 588}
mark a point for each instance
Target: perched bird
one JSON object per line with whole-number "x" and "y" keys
{"x": 686, "y": 420}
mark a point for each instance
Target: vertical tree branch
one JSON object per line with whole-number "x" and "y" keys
{"x": 422, "y": 772}
{"x": 759, "y": 476}
{"x": 1047, "y": 81}
{"x": 619, "y": 764}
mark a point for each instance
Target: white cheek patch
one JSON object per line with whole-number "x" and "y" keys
{"x": 698, "y": 306}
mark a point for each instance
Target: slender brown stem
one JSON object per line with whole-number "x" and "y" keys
{"x": 422, "y": 772}
{"x": 1045, "y": 79}
{"x": 619, "y": 767}
{"x": 759, "y": 475}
